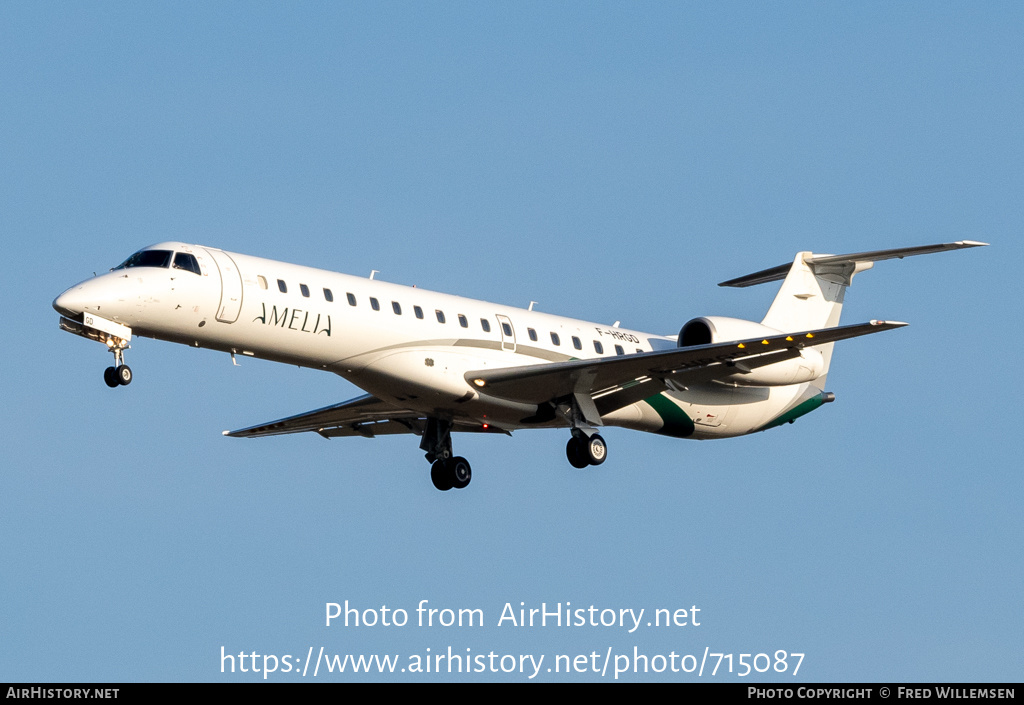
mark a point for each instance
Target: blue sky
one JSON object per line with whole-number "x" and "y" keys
{"x": 611, "y": 161}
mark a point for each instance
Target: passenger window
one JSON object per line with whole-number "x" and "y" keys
{"x": 440, "y": 315}
{"x": 463, "y": 321}
{"x": 328, "y": 295}
{"x": 486, "y": 325}
{"x": 598, "y": 348}
{"x": 281, "y": 286}
{"x": 396, "y": 307}
{"x": 619, "y": 350}
{"x": 262, "y": 281}
{"x": 555, "y": 340}
{"x": 304, "y": 289}
{"x": 532, "y": 333}
{"x": 418, "y": 311}
{"x": 184, "y": 260}
{"x": 576, "y": 343}
{"x": 351, "y": 299}
{"x": 508, "y": 329}
{"x": 374, "y": 304}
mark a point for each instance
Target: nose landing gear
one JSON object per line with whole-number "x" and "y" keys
{"x": 120, "y": 374}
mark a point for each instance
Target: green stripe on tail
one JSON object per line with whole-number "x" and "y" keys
{"x": 796, "y": 412}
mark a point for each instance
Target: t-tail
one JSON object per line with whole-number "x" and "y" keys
{"x": 811, "y": 296}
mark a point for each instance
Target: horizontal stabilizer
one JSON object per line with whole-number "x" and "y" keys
{"x": 779, "y": 273}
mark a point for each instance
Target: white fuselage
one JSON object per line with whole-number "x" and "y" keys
{"x": 407, "y": 346}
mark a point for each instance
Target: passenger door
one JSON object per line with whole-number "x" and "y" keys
{"x": 230, "y": 287}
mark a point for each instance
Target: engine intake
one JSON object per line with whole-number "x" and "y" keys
{"x": 755, "y": 371}
{"x": 719, "y": 329}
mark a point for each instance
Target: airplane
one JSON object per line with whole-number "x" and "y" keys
{"x": 434, "y": 364}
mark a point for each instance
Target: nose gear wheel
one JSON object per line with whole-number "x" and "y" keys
{"x": 120, "y": 374}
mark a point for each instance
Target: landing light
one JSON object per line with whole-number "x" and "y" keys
{"x": 479, "y": 382}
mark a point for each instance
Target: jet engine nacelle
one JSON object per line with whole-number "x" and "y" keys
{"x": 752, "y": 372}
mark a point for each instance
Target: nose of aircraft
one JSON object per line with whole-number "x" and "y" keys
{"x": 71, "y": 302}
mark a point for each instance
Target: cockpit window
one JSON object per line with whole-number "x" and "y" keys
{"x": 147, "y": 258}
{"x": 188, "y": 262}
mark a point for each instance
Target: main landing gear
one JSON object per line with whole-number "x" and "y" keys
{"x": 585, "y": 447}
{"x": 453, "y": 472}
{"x": 446, "y": 471}
{"x": 120, "y": 374}
{"x": 583, "y": 450}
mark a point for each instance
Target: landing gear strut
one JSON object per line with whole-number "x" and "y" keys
{"x": 120, "y": 374}
{"x": 446, "y": 471}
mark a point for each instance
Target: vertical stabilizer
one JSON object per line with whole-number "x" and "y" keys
{"x": 814, "y": 285}
{"x": 812, "y": 297}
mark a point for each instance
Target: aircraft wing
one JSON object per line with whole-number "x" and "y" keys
{"x": 365, "y": 416}
{"x": 611, "y": 382}
{"x": 614, "y": 382}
